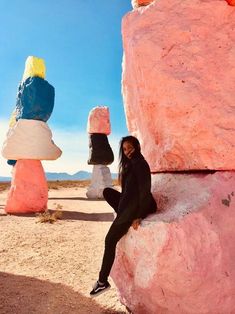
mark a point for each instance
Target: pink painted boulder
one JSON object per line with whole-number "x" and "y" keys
{"x": 138, "y": 3}
{"x": 29, "y": 191}
{"x": 182, "y": 260}
{"x": 178, "y": 83}
{"x": 98, "y": 120}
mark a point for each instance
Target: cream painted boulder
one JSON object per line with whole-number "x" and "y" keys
{"x": 182, "y": 260}
{"x": 29, "y": 191}
{"x": 99, "y": 121}
{"x": 178, "y": 83}
{"x": 138, "y": 3}
{"x": 30, "y": 139}
{"x": 101, "y": 178}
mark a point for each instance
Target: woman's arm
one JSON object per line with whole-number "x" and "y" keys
{"x": 142, "y": 173}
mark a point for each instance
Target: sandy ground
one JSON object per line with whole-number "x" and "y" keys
{"x": 50, "y": 268}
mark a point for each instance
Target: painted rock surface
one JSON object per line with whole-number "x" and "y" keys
{"x": 29, "y": 191}
{"x": 231, "y": 2}
{"x": 30, "y": 139}
{"x": 178, "y": 83}
{"x": 35, "y": 99}
{"x": 101, "y": 178}
{"x": 98, "y": 121}
{"x": 138, "y": 3}
{"x": 182, "y": 260}
{"x": 34, "y": 67}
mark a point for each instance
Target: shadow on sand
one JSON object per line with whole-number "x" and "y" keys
{"x": 21, "y": 294}
{"x": 73, "y": 215}
{"x": 76, "y": 199}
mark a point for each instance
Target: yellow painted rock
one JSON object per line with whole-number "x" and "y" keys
{"x": 34, "y": 67}
{"x": 12, "y": 120}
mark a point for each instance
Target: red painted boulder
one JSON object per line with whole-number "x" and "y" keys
{"x": 231, "y": 2}
{"x": 139, "y": 3}
{"x": 29, "y": 191}
{"x": 182, "y": 260}
{"x": 178, "y": 83}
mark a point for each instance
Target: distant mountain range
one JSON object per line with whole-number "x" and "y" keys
{"x": 60, "y": 176}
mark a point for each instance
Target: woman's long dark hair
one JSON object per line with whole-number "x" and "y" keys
{"x": 123, "y": 160}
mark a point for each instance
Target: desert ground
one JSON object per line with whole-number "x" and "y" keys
{"x": 49, "y": 268}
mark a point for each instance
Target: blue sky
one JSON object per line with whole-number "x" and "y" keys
{"x": 80, "y": 41}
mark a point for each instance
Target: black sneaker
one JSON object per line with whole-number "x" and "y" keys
{"x": 99, "y": 288}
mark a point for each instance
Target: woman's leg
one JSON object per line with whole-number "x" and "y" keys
{"x": 112, "y": 197}
{"x": 115, "y": 233}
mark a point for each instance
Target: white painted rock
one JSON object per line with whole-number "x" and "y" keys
{"x": 182, "y": 260}
{"x": 178, "y": 83}
{"x": 30, "y": 139}
{"x": 101, "y": 178}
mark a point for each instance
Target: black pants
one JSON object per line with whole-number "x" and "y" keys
{"x": 115, "y": 233}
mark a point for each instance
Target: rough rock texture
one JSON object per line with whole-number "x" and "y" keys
{"x": 30, "y": 139}
{"x": 178, "y": 83}
{"x": 29, "y": 191}
{"x": 138, "y": 3}
{"x": 35, "y": 99}
{"x": 101, "y": 178}
{"x": 182, "y": 260}
{"x": 231, "y": 2}
{"x": 34, "y": 67}
{"x": 100, "y": 152}
{"x": 98, "y": 120}
{"x": 12, "y": 120}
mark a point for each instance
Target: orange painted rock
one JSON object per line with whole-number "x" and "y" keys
{"x": 231, "y": 2}
{"x": 182, "y": 259}
{"x": 178, "y": 83}
{"x": 29, "y": 191}
{"x": 139, "y": 3}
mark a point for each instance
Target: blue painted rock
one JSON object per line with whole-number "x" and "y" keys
{"x": 35, "y": 99}
{"x": 11, "y": 162}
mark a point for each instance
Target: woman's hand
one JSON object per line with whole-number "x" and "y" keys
{"x": 136, "y": 223}
{"x": 130, "y": 153}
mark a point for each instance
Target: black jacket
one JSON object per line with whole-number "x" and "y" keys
{"x": 136, "y": 198}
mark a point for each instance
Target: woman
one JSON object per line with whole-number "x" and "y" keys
{"x": 132, "y": 205}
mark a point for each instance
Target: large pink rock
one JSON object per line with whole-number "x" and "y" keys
{"x": 178, "y": 83}
{"x": 29, "y": 191}
{"x": 182, "y": 260}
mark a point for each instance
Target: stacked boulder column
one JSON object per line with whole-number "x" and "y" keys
{"x": 100, "y": 152}
{"x": 29, "y": 140}
{"x": 178, "y": 88}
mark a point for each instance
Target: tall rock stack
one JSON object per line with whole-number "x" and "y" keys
{"x": 178, "y": 88}
{"x": 100, "y": 152}
{"x": 29, "y": 140}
